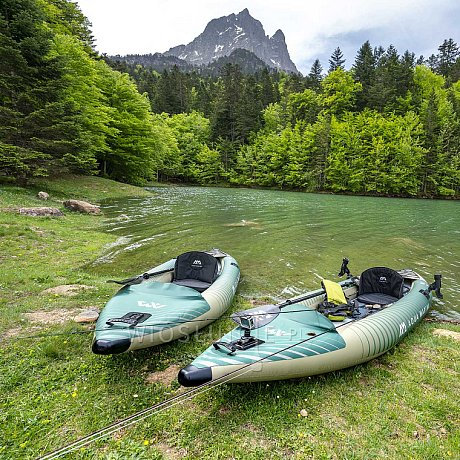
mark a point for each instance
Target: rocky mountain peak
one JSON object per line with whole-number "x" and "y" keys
{"x": 224, "y": 35}
{"x": 279, "y": 35}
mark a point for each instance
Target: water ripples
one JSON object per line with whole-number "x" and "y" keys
{"x": 284, "y": 241}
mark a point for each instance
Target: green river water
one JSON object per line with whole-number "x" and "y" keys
{"x": 285, "y": 242}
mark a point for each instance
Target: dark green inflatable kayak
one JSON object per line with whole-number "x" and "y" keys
{"x": 169, "y": 301}
{"x": 319, "y": 332}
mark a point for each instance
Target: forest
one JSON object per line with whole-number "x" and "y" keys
{"x": 389, "y": 125}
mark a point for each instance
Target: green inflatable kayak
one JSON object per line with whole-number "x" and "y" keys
{"x": 341, "y": 325}
{"x": 169, "y": 301}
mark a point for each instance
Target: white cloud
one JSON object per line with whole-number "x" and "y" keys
{"x": 312, "y": 29}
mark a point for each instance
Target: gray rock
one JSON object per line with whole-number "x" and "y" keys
{"x": 43, "y": 195}
{"x": 41, "y": 211}
{"x": 82, "y": 206}
{"x": 88, "y": 316}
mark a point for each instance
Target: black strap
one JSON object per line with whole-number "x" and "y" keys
{"x": 345, "y": 309}
{"x": 132, "y": 319}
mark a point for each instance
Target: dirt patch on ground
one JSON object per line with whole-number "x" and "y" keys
{"x": 58, "y": 316}
{"x": 165, "y": 377}
{"x": 42, "y": 317}
{"x": 446, "y": 333}
{"x": 19, "y": 331}
{"x": 67, "y": 290}
{"x": 424, "y": 355}
{"x": 171, "y": 453}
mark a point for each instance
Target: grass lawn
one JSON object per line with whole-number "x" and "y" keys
{"x": 403, "y": 405}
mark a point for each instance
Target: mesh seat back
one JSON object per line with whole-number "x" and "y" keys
{"x": 381, "y": 280}
{"x": 195, "y": 265}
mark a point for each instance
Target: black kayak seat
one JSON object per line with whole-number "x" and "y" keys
{"x": 196, "y": 270}
{"x": 380, "y": 285}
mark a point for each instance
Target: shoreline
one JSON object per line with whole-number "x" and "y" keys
{"x": 55, "y": 390}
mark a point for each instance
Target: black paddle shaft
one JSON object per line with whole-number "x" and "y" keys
{"x": 138, "y": 279}
{"x": 288, "y": 302}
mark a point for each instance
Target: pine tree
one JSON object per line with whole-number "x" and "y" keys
{"x": 315, "y": 75}
{"x": 448, "y": 55}
{"x": 336, "y": 61}
{"x": 35, "y": 127}
{"x": 226, "y": 105}
{"x": 267, "y": 90}
{"x": 364, "y": 72}
{"x": 386, "y": 89}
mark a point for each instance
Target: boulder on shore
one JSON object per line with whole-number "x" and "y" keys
{"x": 41, "y": 211}
{"x": 88, "y": 316}
{"x": 43, "y": 195}
{"x": 82, "y": 206}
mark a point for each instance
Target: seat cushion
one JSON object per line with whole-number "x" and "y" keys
{"x": 381, "y": 280}
{"x": 376, "y": 298}
{"x": 198, "y": 285}
{"x": 195, "y": 265}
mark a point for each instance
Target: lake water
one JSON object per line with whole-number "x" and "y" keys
{"x": 285, "y": 242}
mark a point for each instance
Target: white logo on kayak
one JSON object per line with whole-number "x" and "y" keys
{"x": 197, "y": 262}
{"x": 142, "y": 303}
{"x": 402, "y": 329}
{"x": 276, "y": 332}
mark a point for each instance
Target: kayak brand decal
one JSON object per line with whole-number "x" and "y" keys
{"x": 383, "y": 280}
{"x": 155, "y": 305}
{"x": 277, "y": 332}
{"x": 413, "y": 320}
{"x": 197, "y": 264}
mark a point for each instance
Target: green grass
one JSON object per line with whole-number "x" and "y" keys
{"x": 403, "y": 405}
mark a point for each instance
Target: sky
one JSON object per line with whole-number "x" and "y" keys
{"x": 313, "y": 29}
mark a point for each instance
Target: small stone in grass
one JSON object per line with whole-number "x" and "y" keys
{"x": 88, "y": 316}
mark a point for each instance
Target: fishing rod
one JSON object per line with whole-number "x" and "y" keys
{"x": 170, "y": 402}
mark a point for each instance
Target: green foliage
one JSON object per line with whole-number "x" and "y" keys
{"x": 63, "y": 109}
{"x": 208, "y": 168}
{"x": 364, "y": 73}
{"x": 192, "y": 134}
{"x": 303, "y": 106}
{"x": 83, "y": 93}
{"x": 339, "y": 92}
{"x": 30, "y": 110}
{"x": 131, "y": 156}
{"x": 372, "y": 153}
